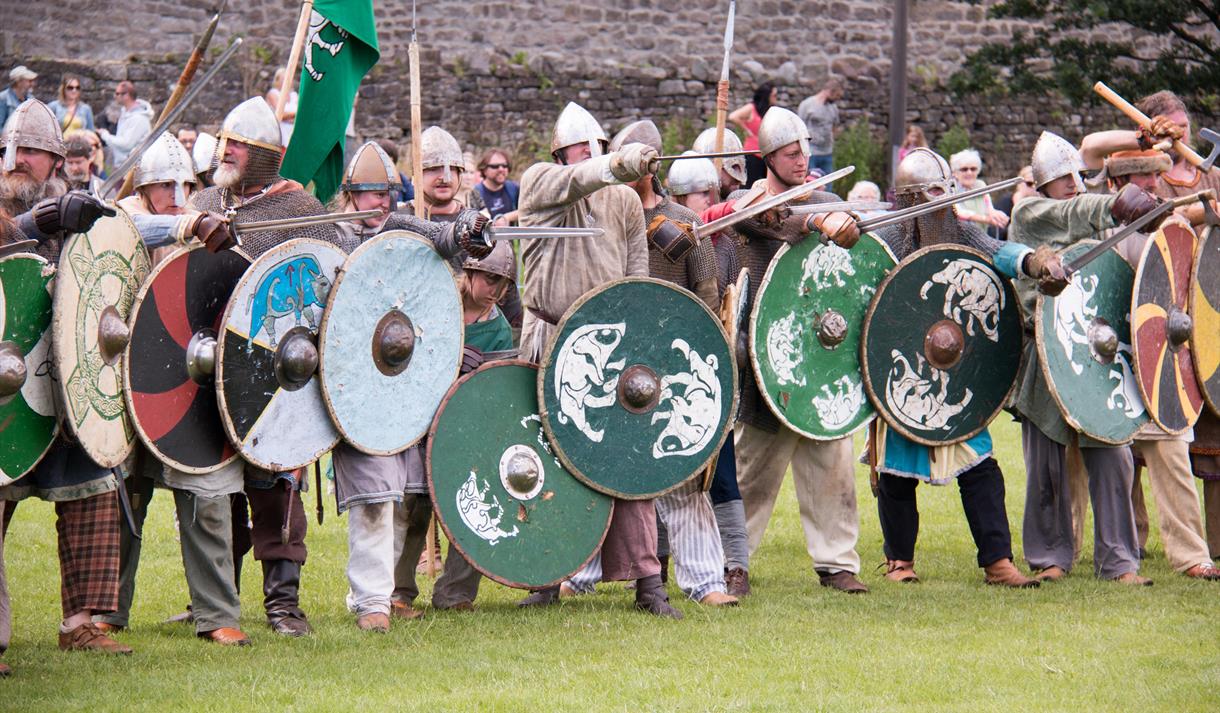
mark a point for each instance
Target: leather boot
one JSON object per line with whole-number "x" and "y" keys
{"x": 737, "y": 581}
{"x": 281, "y": 582}
{"x": 650, "y": 595}
{"x": 1004, "y": 573}
{"x": 541, "y": 598}
{"x": 664, "y": 568}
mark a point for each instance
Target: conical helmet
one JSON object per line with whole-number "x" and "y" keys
{"x": 637, "y": 132}
{"x": 692, "y": 175}
{"x": 500, "y": 261}
{"x": 32, "y": 126}
{"x": 1055, "y": 156}
{"x": 253, "y": 122}
{"x": 439, "y": 148}
{"x": 736, "y": 166}
{"x": 779, "y": 128}
{"x": 204, "y": 152}
{"x": 575, "y": 125}
{"x": 167, "y": 161}
{"x": 371, "y": 169}
{"x": 922, "y": 170}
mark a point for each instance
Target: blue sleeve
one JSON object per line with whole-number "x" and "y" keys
{"x": 88, "y": 117}
{"x": 1009, "y": 257}
{"x": 156, "y": 230}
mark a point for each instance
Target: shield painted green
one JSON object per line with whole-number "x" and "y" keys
{"x": 27, "y": 418}
{"x": 942, "y": 345}
{"x": 638, "y": 388}
{"x": 805, "y": 334}
{"x": 1097, "y": 395}
{"x": 504, "y": 499}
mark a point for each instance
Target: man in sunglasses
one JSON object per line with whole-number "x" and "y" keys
{"x": 135, "y": 122}
{"x": 495, "y": 192}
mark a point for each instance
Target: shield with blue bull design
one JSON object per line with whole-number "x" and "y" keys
{"x": 638, "y": 388}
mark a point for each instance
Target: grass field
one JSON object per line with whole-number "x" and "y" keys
{"x": 948, "y": 643}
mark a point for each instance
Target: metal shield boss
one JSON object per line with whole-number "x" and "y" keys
{"x": 170, "y": 366}
{"x": 270, "y": 401}
{"x": 942, "y": 345}
{"x": 1161, "y": 329}
{"x": 638, "y": 388}
{"x": 805, "y": 334}
{"x": 95, "y": 287}
{"x": 1205, "y": 317}
{"x": 390, "y": 342}
{"x": 1084, "y": 348}
{"x": 504, "y": 499}
{"x": 27, "y": 394}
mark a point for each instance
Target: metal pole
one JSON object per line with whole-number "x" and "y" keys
{"x": 898, "y": 84}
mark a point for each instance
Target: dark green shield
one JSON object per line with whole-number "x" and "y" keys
{"x": 27, "y": 403}
{"x": 942, "y": 345}
{"x": 805, "y": 334}
{"x": 1084, "y": 347}
{"x": 502, "y": 496}
{"x": 638, "y": 388}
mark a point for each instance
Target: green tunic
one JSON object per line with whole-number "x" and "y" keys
{"x": 1058, "y": 223}
{"x": 490, "y": 335}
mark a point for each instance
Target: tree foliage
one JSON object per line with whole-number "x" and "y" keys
{"x": 1135, "y": 46}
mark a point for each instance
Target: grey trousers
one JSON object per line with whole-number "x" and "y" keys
{"x": 458, "y": 583}
{"x": 205, "y": 526}
{"x": 6, "y": 613}
{"x": 1047, "y": 527}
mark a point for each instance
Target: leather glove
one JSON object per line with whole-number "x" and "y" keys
{"x": 1045, "y": 266}
{"x": 471, "y": 359}
{"x": 1159, "y": 129}
{"x": 775, "y": 218}
{"x": 468, "y": 230}
{"x": 73, "y": 212}
{"x": 214, "y": 231}
{"x": 1132, "y": 203}
{"x": 840, "y": 227}
{"x": 633, "y": 162}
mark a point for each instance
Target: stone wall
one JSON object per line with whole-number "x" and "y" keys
{"x": 497, "y": 72}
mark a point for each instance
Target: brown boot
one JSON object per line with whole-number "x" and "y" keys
{"x": 87, "y": 637}
{"x": 376, "y": 622}
{"x": 718, "y": 599}
{"x": 226, "y": 636}
{"x": 1050, "y": 574}
{"x": 901, "y": 571}
{"x": 843, "y": 581}
{"x": 1133, "y": 579}
{"x": 737, "y": 581}
{"x": 1004, "y": 573}
{"x": 403, "y": 610}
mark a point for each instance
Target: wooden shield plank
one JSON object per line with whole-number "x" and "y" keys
{"x": 394, "y": 281}
{"x": 805, "y": 334}
{"x": 95, "y": 288}
{"x": 504, "y": 499}
{"x": 277, "y": 421}
{"x": 941, "y": 345}
{"x": 1161, "y": 329}
{"x": 637, "y": 388}
{"x": 1205, "y": 317}
{"x": 1098, "y": 395}
{"x": 28, "y": 424}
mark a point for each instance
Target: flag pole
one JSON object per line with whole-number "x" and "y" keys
{"x": 294, "y": 59}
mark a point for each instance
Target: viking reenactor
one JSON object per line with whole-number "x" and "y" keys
{"x": 732, "y": 170}
{"x": 1061, "y": 215}
{"x": 823, "y": 470}
{"x": 902, "y": 463}
{"x": 583, "y": 188}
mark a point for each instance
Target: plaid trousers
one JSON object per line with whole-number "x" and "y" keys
{"x": 89, "y": 553}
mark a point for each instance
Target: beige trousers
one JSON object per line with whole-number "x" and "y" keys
{"x": 824, "y": 476}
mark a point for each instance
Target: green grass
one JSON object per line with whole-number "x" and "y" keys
{"x": 948, "y": 643}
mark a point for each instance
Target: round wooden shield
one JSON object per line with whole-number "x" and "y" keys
{"x": 95, "y": 288}
{"x": 504, "y": 499}
{"x": 1084, "y": 348}
{"x": 1160, "y": 324}
{"x": 638, "y": 388}
{"x": 805, "y": 334}
{"x": 390, "y": 342}
{"x": 1205, "y": 317}
{"x": 941, "y": 345}
{"x": 270, "y": 403}
{"x": 170, "y": 364}
{"x": 27, "y": 393}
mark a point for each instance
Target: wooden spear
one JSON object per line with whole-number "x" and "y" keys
{"x": 294, "y": 59}
{"x": 722, "y": 87}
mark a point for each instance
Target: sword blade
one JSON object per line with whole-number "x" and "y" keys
{"x": 764, "y": 205}
{"x": 1097, "y": 250}
{"x": 817, "y": 208}
{"x": 716, "y": 154}
{"x": 541, "y": 231}
{"x": 262, "y": 226}
{"x": 133, "y": 158}
{"x": 933, "y": 206}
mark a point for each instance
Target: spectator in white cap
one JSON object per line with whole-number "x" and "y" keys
{"x": 20, "y": 80}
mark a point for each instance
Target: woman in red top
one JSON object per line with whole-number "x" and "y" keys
{"x": 748, "y": 117}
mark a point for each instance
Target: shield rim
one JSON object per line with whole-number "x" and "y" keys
{"x": 58, "y": 427}
{"x": 545, "y": 367}
{"x": 57, "y": 366}
{"x": 322, "y": 328}
{"x": 131, "y": 410}
{"x": 222, "y": 405}
{"x": 754, "y": 368}
{"x": 1192, "y": 373}
{"x": 1011, "y": 292}
{"x": 1212, "y": 233}
{"x": 1040, "y": 342}
{"x": 432, "y": 488}
{"x": 20, "y": 247}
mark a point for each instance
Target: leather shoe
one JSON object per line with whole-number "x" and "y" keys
{"x": 226, "y": 636}
{"x": 375, "y": 622}
{"x": 737, "y": 581}
{"x": 5, "y": 671}
{"x": 650, "y": 596}
{"x": 843, "y": 581}
{"x": 460, "y": 606}
{"x": 1206, "y": 571}
{"x": 107, "y": 628}
{"x": 1054, "y": 573}
{"x": 566, "y": 591}
{"x": 1133, "y": 579}
{"x": 901, "y": 571}
{"x": 1004, "y": 573}
{"x": 289, "y": 625}
{"x": 87, "y": 637}
{"x": 718, "y": 599}
{"x": 541, "y": 598}
{"x": 403, "y": 610}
